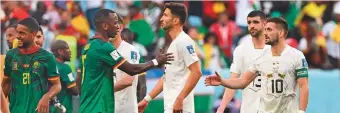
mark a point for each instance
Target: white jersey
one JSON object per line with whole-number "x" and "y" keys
{"x": 243, "y": 55}
{"x": 177, "y": 73}
{"x": 126, "y": 99}
{"x": 278, "y": 90}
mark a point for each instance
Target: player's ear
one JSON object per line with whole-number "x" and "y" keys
{"x": 105, "y": 26}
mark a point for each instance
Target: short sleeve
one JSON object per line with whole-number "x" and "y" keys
{"x": 52, "y": 70}
{"x": 110, "y": 55}
{"x": 8, "y": 62}
{"x": 188, "y": 53}
{"x": 236, "y": 64}
{"x": 66, "y": 76}
{"x": 301, "y": 67}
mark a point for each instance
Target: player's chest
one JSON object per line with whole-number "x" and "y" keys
{"x": 276, "y": 67}
{"x": 28, "y": 65}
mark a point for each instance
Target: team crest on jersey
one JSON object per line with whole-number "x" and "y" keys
{"x": 190, "y": 49}
{"x": 134, "y": 56}
{"x": 15, "y": 66}
{"x": 87, "y": 46}
{"x": 36, "y": 65}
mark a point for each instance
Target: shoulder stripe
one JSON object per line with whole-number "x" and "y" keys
{"x": 119, "y": 63}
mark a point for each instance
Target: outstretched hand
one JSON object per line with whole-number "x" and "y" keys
{"x": 164, "y": 58}
{"x": 213, "y": 80}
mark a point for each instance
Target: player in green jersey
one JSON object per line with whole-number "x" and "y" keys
{"x": 28, "y": 70}
{"x": 61, "y": 51}
{"x": 99, "y": 58}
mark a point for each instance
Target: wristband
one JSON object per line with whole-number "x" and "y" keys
{"x": 154, "y": 61}
{"x": 301, "y": 111}
{"x": 148, "y": 98}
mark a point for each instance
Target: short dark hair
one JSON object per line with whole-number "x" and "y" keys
{"x": 257, "y": 13}
{"x": 101, "y": 15}
{"x": 30, "y": 23}
{"x": 58, "y": 44}
{"x": 279, "y": 22}
{"x": 12, "y": 26}
{"x": 178, "y": 9}
{"x": 120, "y": 19}
{"x": 41, "y": 30}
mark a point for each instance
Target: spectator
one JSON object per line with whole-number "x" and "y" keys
{"x": 52, "y": 16}
{"x": 226, "y": 30}
{"x": 81, "y": 25}
{"x": 48, "y": 34}
{"x": 212, "y": 53}
{"x": 331, "y": 31}
{"x": 313, "y": 46}
{"x": 92, "y": 7}
{"x": 193, "y": 33}
{"x": 41, "y": 10}
{"x": 151, "y": 14}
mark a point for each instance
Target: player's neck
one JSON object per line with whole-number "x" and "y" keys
{"x": 30, "y": 49}
{"x": 175, "y": 31}
{"x": 278, "y": 48}
{"x": 59, "y": 60}
{"x": 100, "y": 35}
{"x": 116, "y": 41}
{"x": 259, "y": 42}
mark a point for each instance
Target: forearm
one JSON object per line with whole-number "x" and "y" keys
{"x": 194, "y": 77}
{"x": 133, "y": 69}
{"x": 78, "y": 80}
{"x": 54, "y": 90}
{"x": 6, "y": 85}
{"x": 141, "y": 87}
{"x": 120, "y": 86}
{"x": 227, "y": 96}
{"x": 4, "y": 104}
{"x": 238, "y": 83}
{"x": 303, "y": 97}
{"x": 157, "y": 89}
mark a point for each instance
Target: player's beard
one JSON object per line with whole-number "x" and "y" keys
{"x": 273, "y": 41}
{"x": 256, "y": 34}
{"x": 24, "y": 45}
{"x": 111, "y": 34}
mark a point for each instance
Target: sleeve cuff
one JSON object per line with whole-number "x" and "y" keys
{"x": 119, "y": 63}
{"x": 54, "y": 78}
{"x": 71, "y": 85}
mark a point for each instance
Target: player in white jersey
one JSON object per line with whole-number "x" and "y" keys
{"x": 125, "y": 86}
{"x": 243, "y": 55}
{"x": 282, "y": 67}
{"x": 182, "y": 75}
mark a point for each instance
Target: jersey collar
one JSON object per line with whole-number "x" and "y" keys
{"x": 29, "y": 50}
{"x": 99, "y": 37}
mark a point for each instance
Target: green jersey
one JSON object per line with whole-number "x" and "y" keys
{"x": 67, "y": 81}
{"x": 29, "y": 73}
{"x": 99, "y": 58}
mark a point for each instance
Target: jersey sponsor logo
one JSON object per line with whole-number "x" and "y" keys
{"x": 190, "y": 49}
{"x": 26, "y": 65}
{"x": 36, "y": 65}
{"x": 15, "y": 66}
{"x": 304, "y": 63}
{"x": 114, "y": 54}
{"x": 133, "y": 56}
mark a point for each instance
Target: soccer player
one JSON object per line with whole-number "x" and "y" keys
{"x": 39, "y": 38}
{"x": 128, "y": 36}
{"x": 282, "y": 68}
{"x": 29, "y": 69}
{"x": 61, "y": 51}
{"x": 243, "y": 55}
{"x": 11, "y": 34}
{"x": 99, "y": 58}
{"x": 181, "y": 76}
{"x": 125, "y": 86}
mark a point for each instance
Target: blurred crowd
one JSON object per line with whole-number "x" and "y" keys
{"x": 217, "y": 27}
